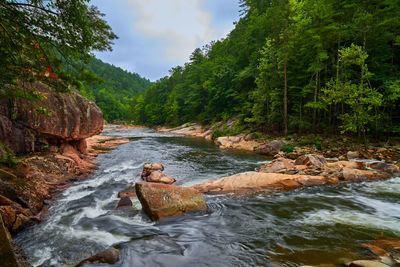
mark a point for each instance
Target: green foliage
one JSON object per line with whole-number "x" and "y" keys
{"x": 294, "y": 52}
{"x": 44, "y": 148}
{"x": 7, "y": 156}
{"x": 42, "y": 41}
{"x": 113, "y": 89}
{"x": 287, "y": 148}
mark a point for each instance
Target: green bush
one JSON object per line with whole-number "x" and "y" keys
{"x": 287, "y": 148}
{"x": 7, "y": 156}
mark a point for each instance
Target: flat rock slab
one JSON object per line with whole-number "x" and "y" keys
{"x": 161, "y": 200}
{"x": 249, "y": 182}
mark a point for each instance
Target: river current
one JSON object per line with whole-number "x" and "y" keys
{"x": 318, "y": 225}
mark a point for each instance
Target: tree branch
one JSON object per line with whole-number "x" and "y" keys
{"x": 33, "y": 6}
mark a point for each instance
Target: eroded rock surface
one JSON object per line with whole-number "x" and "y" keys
{"x": 286, "y": 174}
{"x": 161, "y": 201}
{"x": 27, "y": 126}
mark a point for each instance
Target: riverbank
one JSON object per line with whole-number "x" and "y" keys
{"x": 28, "y": 187}
{"x": 292, "y": 147}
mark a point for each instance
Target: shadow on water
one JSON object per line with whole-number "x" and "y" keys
{"x": 305, "y": 226}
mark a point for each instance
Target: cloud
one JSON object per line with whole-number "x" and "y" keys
{"x": 179, "y": 26}
{"x": 156, "y": 35}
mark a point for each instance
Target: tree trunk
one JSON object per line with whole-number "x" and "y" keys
{"x": 285, "y": 119}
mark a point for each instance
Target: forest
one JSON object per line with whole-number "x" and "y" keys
{"x": 311, "y": 66}
{"x": 112, "y": 88}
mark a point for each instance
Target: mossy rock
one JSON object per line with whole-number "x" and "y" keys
{"x": 7, "y": 255}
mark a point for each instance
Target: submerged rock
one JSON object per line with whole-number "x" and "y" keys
{"x": 109, "y": 256}
{"x": 161, "y": 201}
{"x": 124, "y": 203}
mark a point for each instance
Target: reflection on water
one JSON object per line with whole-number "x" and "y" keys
{"x": 305, "y": 226}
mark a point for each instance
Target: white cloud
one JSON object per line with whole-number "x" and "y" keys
{"x": 179, "y": 26}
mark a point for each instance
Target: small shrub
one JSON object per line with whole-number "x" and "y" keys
{"x": 7, "y": 156}
{"x": 287, "y": 148}
{"x": 45, "y": 147}
{"x": 318, "y": 145}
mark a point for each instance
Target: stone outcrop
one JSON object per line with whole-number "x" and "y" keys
{"x": 27, "y": 126}
{"x": 269, "y": 149}
{"x": 255, "y": 182}
{"x": 109, "y": 256}
{"x": 160, "y": 201}
{"x": 286, "y": 174}
{"x": 7, "y": 255}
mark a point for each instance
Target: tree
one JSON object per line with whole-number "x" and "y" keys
{"x": 357, "y": 94}
{"x": 43, "y": 40}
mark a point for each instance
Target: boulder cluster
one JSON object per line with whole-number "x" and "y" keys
{"x": 159, "y": 198}
{"x": 307, "y": 170}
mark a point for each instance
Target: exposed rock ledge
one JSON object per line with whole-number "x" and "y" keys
{"x": 28, "y": 126}
{"x": 308, "y": 170}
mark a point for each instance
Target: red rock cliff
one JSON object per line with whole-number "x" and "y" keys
{"x": 70, "y": 118}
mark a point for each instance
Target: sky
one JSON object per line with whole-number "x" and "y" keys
{"x": 157, "y": 35}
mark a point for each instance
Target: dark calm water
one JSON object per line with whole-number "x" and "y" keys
{"x": 305, "y": 226}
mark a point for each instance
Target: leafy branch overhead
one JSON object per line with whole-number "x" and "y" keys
{"x": 45, "y": 39}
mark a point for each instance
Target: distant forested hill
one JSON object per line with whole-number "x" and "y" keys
{"x": 115, "y": 92}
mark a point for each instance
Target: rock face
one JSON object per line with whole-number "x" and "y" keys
{"x": 109, "y": 256}
{"x": 7, "y": 255}
{"x": 161, "y": 201}
{"x": 27, "y": 126}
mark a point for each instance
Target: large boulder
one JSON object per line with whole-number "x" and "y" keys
{"x": 311, "y": 160}
{"x": 278, "y": 165}
{"x": 161, "y": 201}
{"x": 269, "y": 149}
{"x": 26, "y": 125}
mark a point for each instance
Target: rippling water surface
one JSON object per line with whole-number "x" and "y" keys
{"x": 317, "y": 225}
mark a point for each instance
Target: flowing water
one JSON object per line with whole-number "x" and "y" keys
{"x": 306, "y": 226}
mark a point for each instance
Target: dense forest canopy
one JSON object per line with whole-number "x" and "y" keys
{"x": 46, "y": 40}
{"x": 113, "y": 89}
{"x": 291, "y": 66}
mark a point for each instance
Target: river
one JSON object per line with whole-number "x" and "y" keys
{"x": 318, "y": 225}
